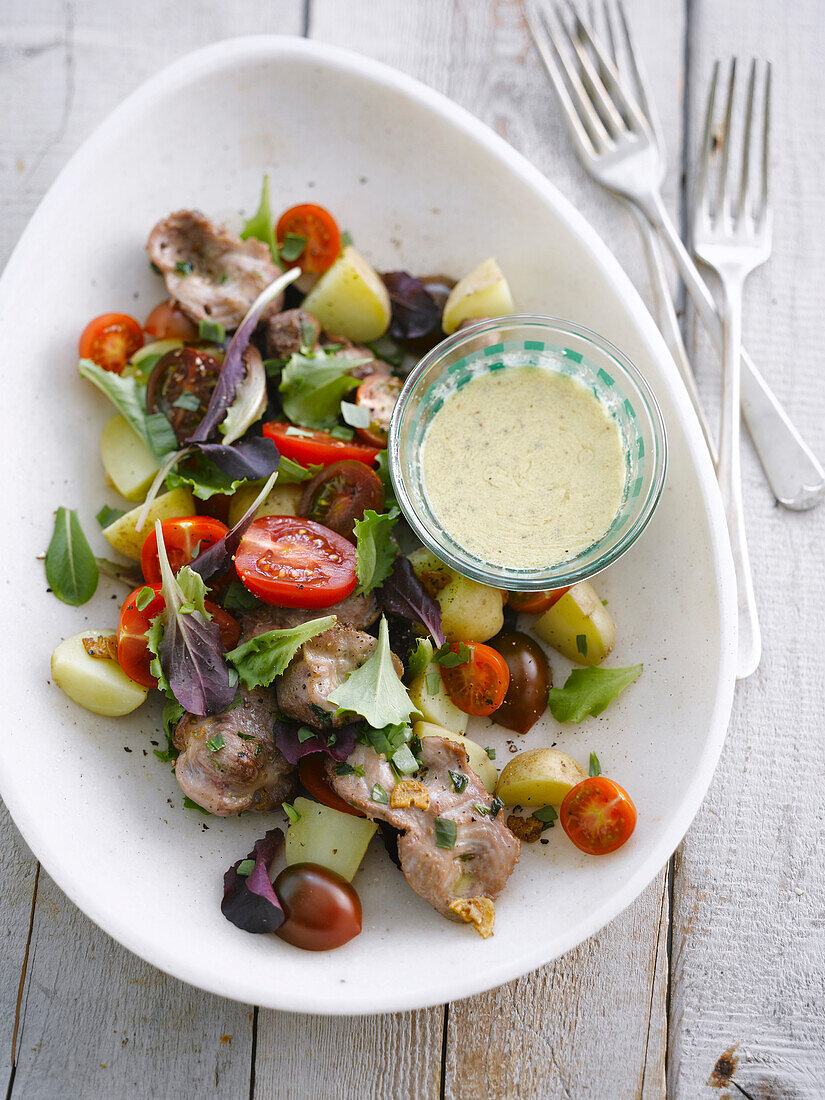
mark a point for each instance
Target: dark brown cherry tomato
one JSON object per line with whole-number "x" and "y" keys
{"x": 530, "y": 680}
{"x": 111, "y": 340}
{"x": 182, "y": 371}
{"x": 477, "y": 686}
{"x": 598, "y": 815}
{"x": 340, "y": 494}
{"x": 167, "y": 321}
{"x": 322, "y": 909}
{"x": 531, "y": 603}
{"x": 378, "y": 395}
{"x": 312, "y": 771}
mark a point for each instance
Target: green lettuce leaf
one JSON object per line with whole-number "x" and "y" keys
{"x": 375, "y": 547}
{"x": 265, "y": 656}
{"x": 71, "y": 569}
{"x": 291, "y": 472}
{"x": 261, "y": 225}
{"x": 312, "y": 387}
{"x": 382, "y": 468}
{"x": 203, "y": 477}
{"x": 587, "y": 691}
{"x": 129, "y": 398}
{"x": 374, "y": 690}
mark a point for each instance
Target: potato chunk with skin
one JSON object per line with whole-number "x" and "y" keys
{"x": 326, "y": 836}
{"x": 97, "y": 683}
{"x": 579, "y": 626}
{"x": 128, "y": 462}
{"x": 282, "y": 501}
{"x": 477, "y": 757}
{"x": 124, "y": 537}
{"x": 539, "y": 777}
{"x": 350, "y": 299}
{"x": 431, "y": 701}
{"x": 469, "y": 611}
{"x": 483, "y": 293}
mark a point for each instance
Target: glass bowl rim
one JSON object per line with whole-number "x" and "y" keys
{"x": 538, "y": 579}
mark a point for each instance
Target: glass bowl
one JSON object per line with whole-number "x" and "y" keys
{"x": 553, "y": 345}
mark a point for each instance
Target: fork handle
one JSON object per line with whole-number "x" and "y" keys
{"x": 794, "y": 473}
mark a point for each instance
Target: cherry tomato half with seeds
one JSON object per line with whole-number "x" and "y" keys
{"x": 312, "y": 771}
{"x": 321, "y": 908}
{"x": 598, "y": 815}
{"x": 168, "y": 321}
{"x": 184, "y": 539}
{"x": 292, "y": 562}
{"x": 378, "y": 395}
{"x": 530, "y": 680}
{"x": 320, "y": 231}
{"x": 339, "y": 495}
{"x": 312, "y": 448}
{"x": 478, "y": 685}
{"x": 110, "y": 340}
{"x": 531, "y": 603}
{"x": 185, "y": 375}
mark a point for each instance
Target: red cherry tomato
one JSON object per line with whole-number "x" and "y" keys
{"x": 531, "y": 603}
{"x": 292, "y": 562}
{"x": 322, "y": 909}
{"x": 320, "y": 231}
{"x": 312, "y": 771}
{"x": 378, "y": 395}
{"x": 340, "y": 494}
{"x": 598, "y": 815}
{"x": 312, "y": 447}
{"x": 168, "y": 321}
{"x": 110, "y": 340}
{"x": 184, "y": 538}
{"x": 477, "y": 686}
{"x": 228, "y": 625}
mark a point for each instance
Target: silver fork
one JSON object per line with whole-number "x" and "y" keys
{"x": 734, "y": 237}
{"x": 616, "y": 145}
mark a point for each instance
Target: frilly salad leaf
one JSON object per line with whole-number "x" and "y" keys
{"x": 261, "y": 225}
{"x": 587, "y": 691}
{"x": 404, "y": 594}
{"x": 313, "y": 385}
{"x": 249, "y": 901}
{"x": 375, "y": 547}
{"x": 296, "y": 741}
{"x": 190, "y": 653}
{"x": 217, "y": 557}
{"x": 265, "y": 656}
{"x": 415, "y": 312}
{"x": 374, "y": 690}
{"x": 128, "y": 396}
{"x": 291, "y": 472}
{"x": 219, "y": 468}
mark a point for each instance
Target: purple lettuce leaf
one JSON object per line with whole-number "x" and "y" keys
{"x": 287, "y": 740}
{"x": 252, "y": 459}
{"x": 218, "y": 557}
{"x": 402, "y": 593}
{"x": 415, "y": 313}
{"x": 249, "y": 901}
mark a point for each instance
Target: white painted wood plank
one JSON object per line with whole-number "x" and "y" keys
{"x": 748, "y": 942}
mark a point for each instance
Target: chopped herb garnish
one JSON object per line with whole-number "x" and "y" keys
{"x": 581, "y": 644}
{"x": 547, "y": 816}
{"x": 446, "y": 832}
{"x": 245, "y": 868}
{"x": 211, "y": 330}
{"x": 308, "y": 335}
{"x": 358, "y": 770}
{"x": 144, "y": 597}
{"x": 340, "y": 432}
{"x": 191, "y": 804}
{"x": 183, "y": 267}
{"x": 304, "y": 733}
{"x": 595, "y": 766}
{"x": 238, "y": 598}
{"x": 344, "y": 769}
{"x": 379, "y": 795}
{"x": 458, "y": 780}
{"x": 108, "y": 515}
{"x": 346, "y": 238}
{"x": 480, "y": 808}
{"x": 187, "y": 401}
{"x": 357, "y": 416}
{"x": 292, "y": 246}
{"x": 491, "y": 753}
{"x": 215, "y": 743}
{"x": 290, "y": 811}
{"x": 495, "y": 806}
{"x": 433, "y": 682}
{"x": 245, "y": 736}
{"x": 404, "y": 762}
{"x": 448, "y": 658}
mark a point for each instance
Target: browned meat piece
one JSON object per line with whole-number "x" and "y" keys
{"x": 229, "y": 763}
{"x": 209, "y": 271}
{"x": 286, "y": 333}
{"x": 359, "y": 612}
{"x": 485, "y": 851}
{"x": 349, "y": 350}
{"x": 319, "y": 666}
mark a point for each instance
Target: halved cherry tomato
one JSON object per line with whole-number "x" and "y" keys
{"x": 598, "y": 815}
{"x": 133, "y": 653}
{"x": 188, "y": 371}
{"x": 167, "y": 320}
{"x": 320, "y": 231}
{"x": 312, "y": 447}
{"x": 184, "y": 538}
{"x": 530, "y": 680}
{"x": 478, "y": 685}
{"x": 110, "y": 340}
{"x": 340, "y": 494}
{"x": 378, "y": 394}
{"x": 531, "y": 603}
{"x": 312, "y": 773}
{"x": 292, "y": 562}
{"x": 321, "y": 909}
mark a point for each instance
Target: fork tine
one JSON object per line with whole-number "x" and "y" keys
{"x": 723, "y": 171}
{"x": 763, "y": 209}
{"x": 645, "y": 95}
{"x": 610, "y": 32}
{"x": 746, "y": 145}
{"x": 702, "y": 203}
{"x": 598, "y": 91}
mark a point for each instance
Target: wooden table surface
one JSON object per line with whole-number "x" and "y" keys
{"x": 712, "y": 984}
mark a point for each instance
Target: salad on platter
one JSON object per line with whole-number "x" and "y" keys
{"x": 316, "y": 666}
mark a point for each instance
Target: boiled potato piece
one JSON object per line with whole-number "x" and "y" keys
{"x": 436, "y": 706}
{"x": 469, "y": 611}
{"x": 282, "y": 501}
{"x": 329, "y": 837}
{"x": 96, "y": 683}
{"x": 128, "y": 462}
{"x": 350, "y": 299}
{"x": 579, "y": 626}
{"x": 129, "y": 542}
{"x": 477, "y": 758}
{"x": 483, "y": 293}
{"x": 539, "y": 777}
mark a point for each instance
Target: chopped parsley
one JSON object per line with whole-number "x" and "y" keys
{"x": 340, "y": 432}
{"x": 216, "y": 743}
{"x": 378, "y": 794}
{"x": 346, "y": 238}
{"x": 183, "y": 267}
{"x": 292, "y": 246}
{"x": 449, "y": 658}
{"x": 305, "y": 734}
{"x": 404, "y": 762}
{"x": 211, "y": 330}
{"x": 344, "y": 769}
{"x": 581, "y": 644}
{"x": 144, "y": 597}
{"x": 490, "y": 752}
{"x": 446, "y": 832}
{"x": 547, "y": 816}
{"x": 433, "y": 682}
{"x": 290, "y": 811}
{"x": 245, "y": 736}
{"x": 480, "y": 808}
{"x": 245, "y": 868}
{"x": 108, "y": 515}
{"x": 495, "y": 806}
{"x": 595, "y": 766}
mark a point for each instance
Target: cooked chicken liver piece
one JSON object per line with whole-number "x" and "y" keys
{"x": 286, "y": 333}
{"x": 485, "y": 851}
{"x": 209, "y": 271}
{"x": 248, "y": 772}
{"x": 359, "y": 612}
